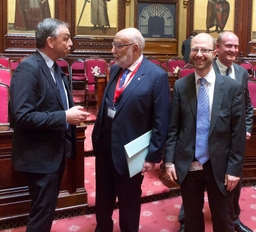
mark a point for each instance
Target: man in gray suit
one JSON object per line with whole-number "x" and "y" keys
{"x": 224, "y": 145}
{"x": 227, "y": 50}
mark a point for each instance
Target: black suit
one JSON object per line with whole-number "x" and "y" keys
{"x": 185, "y": 49}
{"x": 226, "y": 145}
{"x": 41, "y": 140}
{"x": 143, "y": 105}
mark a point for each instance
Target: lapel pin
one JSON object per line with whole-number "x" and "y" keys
{"x": 138, "y": 78}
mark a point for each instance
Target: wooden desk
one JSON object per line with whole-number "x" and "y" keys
{"x": 14, "y": 195}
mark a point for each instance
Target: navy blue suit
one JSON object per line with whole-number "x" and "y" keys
{"x": 143, "y": 105}
{"x": 41, "y": 140}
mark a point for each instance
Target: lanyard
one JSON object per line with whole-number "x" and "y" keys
{"x": 118, "y": 90}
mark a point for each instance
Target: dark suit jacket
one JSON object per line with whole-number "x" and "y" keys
{"x": 185, "y": 49}
{"x": 38, "y": 118}
{"x": 241, "y": 76}
{"x": 144, "y": 106}
{"x": 227, "y": 128}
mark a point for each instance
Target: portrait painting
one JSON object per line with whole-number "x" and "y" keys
{"x": 214, "y": 16}
{"x": 24, "y": 15}
{"x": 96, "y": 17}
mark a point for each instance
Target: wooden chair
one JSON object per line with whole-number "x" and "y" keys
{"x": 252, "y": 91}
{"x": 154, "y": 60}
{"x": 77, "y": 74}
{"x": 93, "y": 67}
{"x": 249, "y": 67}
{"x": 64, "y": 65}
{"x": 5, "y": 75}
{"x": 4, "y": 99}
{"x": 174, "y": 63}
{"x": 13, "y": 64}
{"x": 5, "y": 61}
{"x": 186, "y": 70}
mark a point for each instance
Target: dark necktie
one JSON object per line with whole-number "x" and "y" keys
{"x": 228, "y": 71}
{"x": 122, "y": 80}
{"x": 202, "y": 124}
{"x": 60, "y": 86}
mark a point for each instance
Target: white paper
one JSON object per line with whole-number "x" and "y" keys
{"x": 136, "y": 152}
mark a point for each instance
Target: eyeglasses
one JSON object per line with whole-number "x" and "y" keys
{"x": 119, "y": 46}
{"x": 202, "y": 50}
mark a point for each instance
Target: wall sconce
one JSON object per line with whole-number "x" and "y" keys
{"x": 185, "y": 3}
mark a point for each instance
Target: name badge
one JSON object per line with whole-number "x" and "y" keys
{"x": 111, "y": 112}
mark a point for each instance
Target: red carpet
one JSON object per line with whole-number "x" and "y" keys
{"x": 156, "y": 216}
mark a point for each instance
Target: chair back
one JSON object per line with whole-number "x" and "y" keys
{"x": 249, "y": 67}
{"x": 94, "y": 67}
{"x": 5, "y": 61}
{"x": 5, "y": 75}
{"x": 14, "y": 64}
{"x": 4, "y": 99}
{"x": 64, "y": 65}
{"x": 175, "y": 62}
{"x": 184, "y": 72}
{"x": 154, "y": 60}
{"x": 252, "y": 90}
{"x": 164, "y": 65}
{"x": 77, "y": 70}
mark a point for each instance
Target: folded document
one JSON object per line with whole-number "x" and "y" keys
{"x": 136, "y": 152}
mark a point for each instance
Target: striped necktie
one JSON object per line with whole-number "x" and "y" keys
{"x": 202, "y": 124}
{"x": 122, "y": 80}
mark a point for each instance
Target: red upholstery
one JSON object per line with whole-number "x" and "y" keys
{"x": 93, "y": 67}
{"x": 249, "y": 67}
{"x": 13, "y": 64}
{"x": 77, "y": 74}
{"x": 164, "y": 65}
{"x": 184, "y": 72}
{"x": 4, "y": 99}
{"x": 5, "y": 76}
{"x": 252, "y": 90}
{"x": 4, "y": 61}
{"x": 64, "y": 65}
{"x": 154, "y": 60}
{"x": 173, "y": 63}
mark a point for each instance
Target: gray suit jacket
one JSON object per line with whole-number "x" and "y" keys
{"x": 227, "y": 128}
{"x": 241, "y": 76}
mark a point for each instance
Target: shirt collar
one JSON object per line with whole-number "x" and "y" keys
{"x": 134, "y": 65}
{"x": 210, "y": 77}
{"x": 223, "y": 68}
{"x": 49, "y": 62}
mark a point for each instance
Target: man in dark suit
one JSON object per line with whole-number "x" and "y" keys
{"x": 224, "y": 146}
{"x": 227, "y": 50}
{"x": 43, "y": 116}
{"x": 185, "y": 48}
{"x": 128, "y": 110}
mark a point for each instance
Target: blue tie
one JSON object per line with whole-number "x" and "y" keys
{"x": 122, "y": 80}
{"x": 60, "y": 86}
{"x": 202, "y": 124}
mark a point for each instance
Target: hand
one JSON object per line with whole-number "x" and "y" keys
{"x": 248, "y": 135}
{"x": 171, "y": 172}
{"x": 147, "y": 166}
{"x": 231, "y": 182}
{"x": 76, "y": 115}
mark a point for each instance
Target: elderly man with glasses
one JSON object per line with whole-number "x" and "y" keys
{"x": 136, "y": 100}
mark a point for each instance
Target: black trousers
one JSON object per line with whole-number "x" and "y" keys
{"x": 236, "y": 206}
{"x": 44, "y": 190}
{"x": 109, "y": 185}
{"x": 192, "y": 189}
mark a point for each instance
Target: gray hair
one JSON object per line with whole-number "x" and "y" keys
{"x": 47, "y": 28}
{"x": 134, "y": 36}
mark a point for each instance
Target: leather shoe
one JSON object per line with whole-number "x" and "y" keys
{"x": 240, "y": 227}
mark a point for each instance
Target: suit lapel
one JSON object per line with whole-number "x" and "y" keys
{"x": 192, "y": 93}
{"x": 217, "y": 100}
{"x": 46, "y": 71}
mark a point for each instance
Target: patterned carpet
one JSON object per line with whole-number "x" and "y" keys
{"x": 160, "y": 207}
